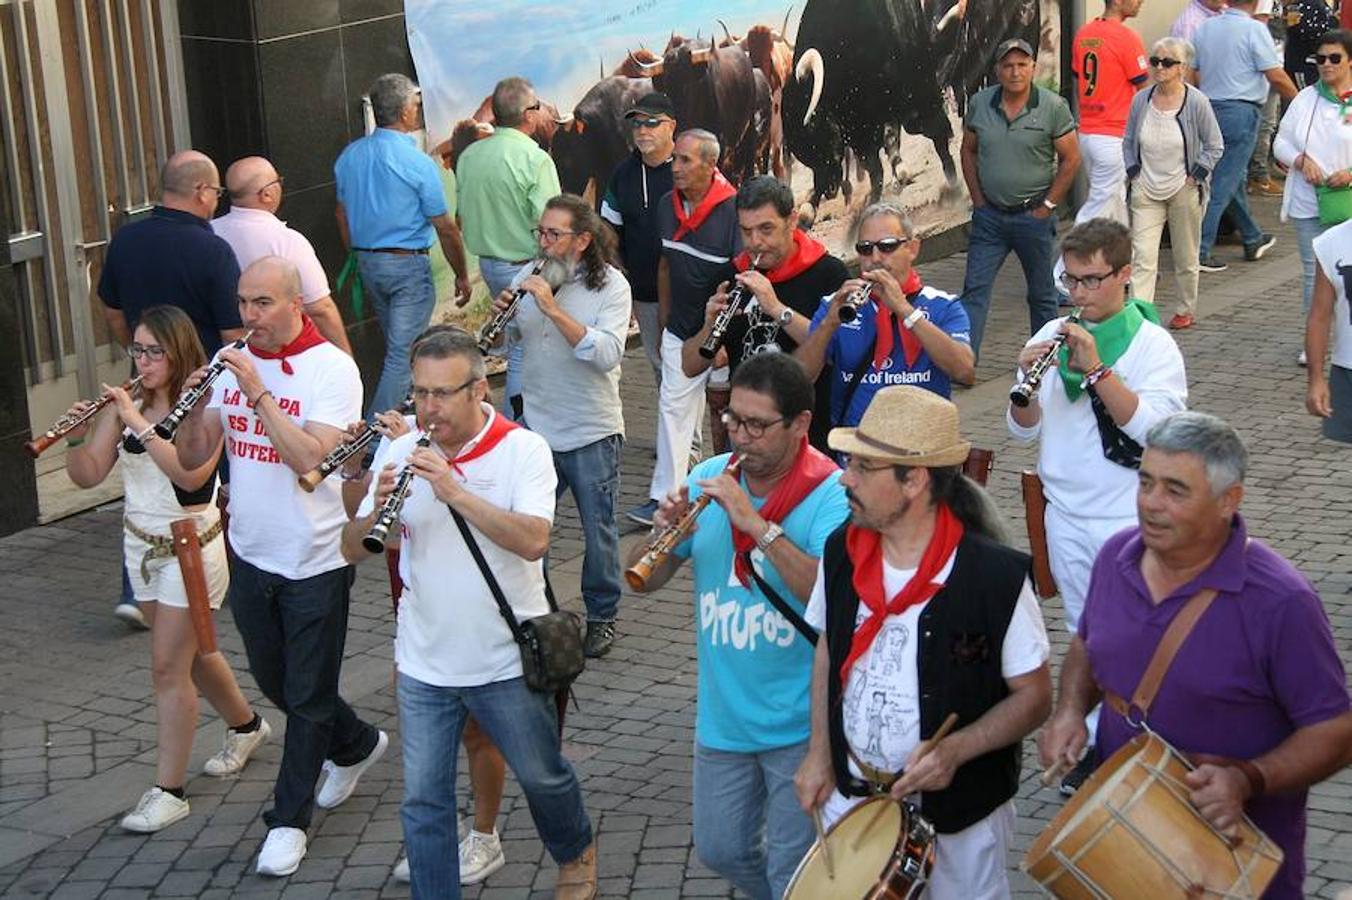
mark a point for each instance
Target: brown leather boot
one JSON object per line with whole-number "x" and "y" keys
{"x": 577, "y": 879}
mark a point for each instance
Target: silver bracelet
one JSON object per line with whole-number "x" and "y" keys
{"x": 146, "y": 435}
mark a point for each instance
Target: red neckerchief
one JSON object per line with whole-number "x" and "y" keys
{"x": 865, "y": 548}
{"x": 882, "y": 342}
{"x": 806, "y": 251}
{"x": 720, "y": 190}
{"x": 498, "y": 429}
{"x": 810, "y": 468}
{"x": 309, "y": 337}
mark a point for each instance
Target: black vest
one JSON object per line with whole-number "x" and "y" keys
{"x": 961, "y": 633}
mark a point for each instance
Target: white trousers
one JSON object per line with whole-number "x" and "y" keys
{"x": 1106, "y": 172}
{"x": 680, "y": 407}
{"x": 972, "y": 864}
{"x": 1072, "y": 546}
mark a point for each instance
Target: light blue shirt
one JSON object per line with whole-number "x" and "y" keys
{"x": 389, "y": 190}
{"x": 1233, "y": 52}
{"x": 754, "y": 667}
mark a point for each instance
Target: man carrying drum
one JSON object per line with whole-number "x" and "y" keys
{"x": 755, "y": 554}
{"x": 925, "y": 614}
{"x": 1257, "y": 681}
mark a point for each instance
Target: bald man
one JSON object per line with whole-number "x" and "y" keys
{"x": 172, "y": 256}
{"x": 282, "y": 405}
{"x": 253, "y": 231}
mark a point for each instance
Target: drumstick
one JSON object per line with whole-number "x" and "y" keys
{"x": 922, "y": 750}
{"x": 1057, "y": 768}
{"x": 821, "y": 839}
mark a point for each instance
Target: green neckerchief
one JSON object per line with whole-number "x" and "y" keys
{"x": 351, "y": 272}
{"x": 1327, "y": 93}
{"x": 1112, "y": 336}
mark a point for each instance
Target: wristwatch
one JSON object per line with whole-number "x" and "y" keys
{"x": 785, "y": 317}
{"x": 772, "y": 533}
{"x": 1049, "y": 204}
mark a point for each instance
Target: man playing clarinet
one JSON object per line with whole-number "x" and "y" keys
{"x": 282, "y": 404}
{"x": 755, "y": 555}
{"x": 454, "y": 650}
{"x": 1117, "y": 374}
{"x": 927, "y": 617}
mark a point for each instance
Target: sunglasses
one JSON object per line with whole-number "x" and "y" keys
{"x": 1330, "y": 58}
{"x": 635, "y": 122}
{"x": 1164, "y": 62}
{"x": 885, "y": 246}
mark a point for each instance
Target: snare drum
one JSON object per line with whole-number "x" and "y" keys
{"x": 880, "y": 850}
{"x": 1130, "y": 831}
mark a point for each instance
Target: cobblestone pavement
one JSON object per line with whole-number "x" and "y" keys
{"x": 77, "y": 724}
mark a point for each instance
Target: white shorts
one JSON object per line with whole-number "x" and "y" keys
{"x": 166, "y": 578}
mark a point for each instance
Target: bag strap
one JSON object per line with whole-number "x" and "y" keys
{"x": 508, "y": 616}
{"x": 1168, "y": 647}
{"x": 807, "y": 631}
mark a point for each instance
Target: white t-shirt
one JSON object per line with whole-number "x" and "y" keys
{"x": 1333, "y": 250}
{"x": 881, "y": 702}
{"x": 1077, "y": 478}
{"x": 255, "y": 233}
{"x": 274, "y": 525}
{"x": 450, "y": 632}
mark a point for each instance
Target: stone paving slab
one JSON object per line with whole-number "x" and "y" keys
{"x": 77, "y": 721}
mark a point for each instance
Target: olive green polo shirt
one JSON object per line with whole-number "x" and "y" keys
{"x": 502, "y": 184}
{"x": 1016, "y": 160}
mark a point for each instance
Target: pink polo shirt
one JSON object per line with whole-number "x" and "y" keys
{"x": 255, "y": 233}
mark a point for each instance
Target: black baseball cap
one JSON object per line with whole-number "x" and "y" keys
{"x": 654, "y": 104}
{"x": 1013, "y": 44}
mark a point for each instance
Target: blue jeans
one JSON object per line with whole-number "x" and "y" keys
{"x": 523, "y": 725}
{"x": 749, "y": 827}
{"x": 1306, "y": 231}
{"x": 1238, "y": 121}
{"x": 993, "y": 235}
{"x": 294, "y": 633}
{"x": 402, "y": 294}
{"x": 497, "y": 275}
{"x": 592, "y": 473}
{"x": 129, "y": 596}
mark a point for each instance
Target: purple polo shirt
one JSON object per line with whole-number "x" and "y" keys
{"x": 1260, "y": 664}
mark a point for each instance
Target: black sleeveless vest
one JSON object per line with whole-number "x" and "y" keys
{"x": 961, "y": 633}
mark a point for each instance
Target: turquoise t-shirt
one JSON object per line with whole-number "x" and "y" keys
{"x": 754, "y": 666}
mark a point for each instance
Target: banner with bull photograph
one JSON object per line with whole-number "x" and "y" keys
{"x": 846, "y": 100}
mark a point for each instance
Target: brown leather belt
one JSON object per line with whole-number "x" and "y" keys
{"x": 397, "y": 251}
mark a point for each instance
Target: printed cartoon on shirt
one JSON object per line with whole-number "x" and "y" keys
{"x": 881, "y": 708}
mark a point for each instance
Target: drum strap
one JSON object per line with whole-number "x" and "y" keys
{"x": 1168, "y": 648}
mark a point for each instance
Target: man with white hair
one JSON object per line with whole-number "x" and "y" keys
{"x": 390, "y": 206}
{"x": 1254, "y": 693}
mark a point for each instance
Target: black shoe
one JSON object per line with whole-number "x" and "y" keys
{"x": 1255, "y": 252}
{"x": 600, "y": 638}
{"x": 1211, "y": 264}
{"x": 1078, "y": 775}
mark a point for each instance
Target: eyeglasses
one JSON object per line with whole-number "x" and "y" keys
{"x": 886, "y": 246}
{"x": 441, "y": 395}
{"x": 550, "y": 235}
{"x": 152, "y": 352}
{"x": 277, "y": 181}
{"x": 856, "y": 464}
{"x": 1331, "y": 58}
{"x": 218, "y": 189}
{"x": 636, "y": 123}
{"x": 533, "y": 107}
{"x": 1089, "y": 282}
{"x": 754, "y": 428}
{"x": 1164, "y": 62}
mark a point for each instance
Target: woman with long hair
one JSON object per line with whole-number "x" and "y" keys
{"x": 1314, "y": 140}
{"x": 166, "y": 349}
{"x": 1171, "y": 145}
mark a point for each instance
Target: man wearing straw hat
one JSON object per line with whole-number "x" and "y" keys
{"x": 918, "y": 598}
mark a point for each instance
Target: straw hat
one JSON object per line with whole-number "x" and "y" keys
{"x": 906, "y": 426}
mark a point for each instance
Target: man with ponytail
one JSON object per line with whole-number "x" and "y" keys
{"x": 924, "y": 614}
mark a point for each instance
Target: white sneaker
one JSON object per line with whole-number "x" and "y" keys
{"x": 237, "y": 750}
{"x": 342, "y": 780}
{"x": 131, "y": 614}
{"x": 401, "y": 873}
{"x": 282, "y": 852}
{"x": 480, "y": 856}
{"x": 1302, "y": 360}
{"x": 157, "y": 809}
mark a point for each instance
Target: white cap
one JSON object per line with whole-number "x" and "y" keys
{"x": 1264, "y": 8}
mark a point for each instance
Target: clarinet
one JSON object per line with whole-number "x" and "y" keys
{"x": 389, "y": 510}
{"x": 1022, "y": 393}
{"x": 666, "y": 541}
{"x": 738, "y": 298}
{"x": 493, "y": 328}
{"x": 168, "y": 426}
{"x": 849, "y": 311}
{"x": 348, "y": 449}
{"x": 71, "y": 421}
